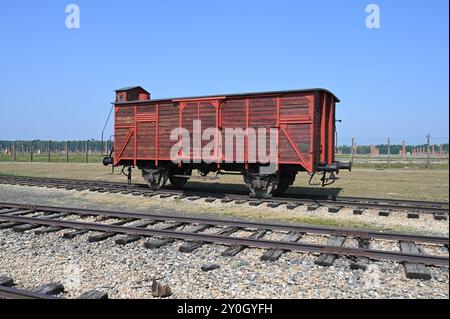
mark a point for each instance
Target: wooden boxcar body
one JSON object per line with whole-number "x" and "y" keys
{"x": 304, "y": 122}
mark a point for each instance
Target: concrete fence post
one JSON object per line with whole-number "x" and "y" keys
{"x": 67, "y": 151}
{"x": 389, "y": 152}
{"x": 428, "y": 150}
{"x": 403, "y": 150}
{"x": 31, "y": 151}
{"x": 86, "y": 157}
{"x": 48, "y": 150}
{"x": 14, "y": 151}
{"x": 353, "y": 150}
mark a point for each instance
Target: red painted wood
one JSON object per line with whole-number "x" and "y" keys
{"x": 295, "y": 148}
{"x": 311, "y": 133}
{"x": 214, "y": 98}
{"x": 180, "y": 136}
{"x": 322, "y": 128}
{"x": 130, "y": 133}
{"x": 331, "y": 131}
{"x": 277, "y": 125}
{"x": 304, "y": 129}
{"x": 135, "y": 134}
{"x": 157, "y": 135}
{"x": 247, "y": 124}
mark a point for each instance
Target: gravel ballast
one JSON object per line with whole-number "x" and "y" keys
{"x": 128, "y": 271}
{"x": 397, "y": 221}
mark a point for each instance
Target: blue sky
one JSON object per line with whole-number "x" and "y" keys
{"x": 57, "y": 83}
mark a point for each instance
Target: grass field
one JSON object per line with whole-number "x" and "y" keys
{"x": 43, "y": 158}
{"x": 360, "y": 161}
{"x": 381, "y": 162}
{"x": 419, "y": 184}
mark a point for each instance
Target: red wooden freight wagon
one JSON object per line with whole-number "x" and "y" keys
{"x": 267, "y": 136}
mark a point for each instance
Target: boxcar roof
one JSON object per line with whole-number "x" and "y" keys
{"x": 130, "y": 88}
{"x": 232, "y": 95}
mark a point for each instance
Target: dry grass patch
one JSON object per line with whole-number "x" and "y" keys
{"x": 418, "y": 184}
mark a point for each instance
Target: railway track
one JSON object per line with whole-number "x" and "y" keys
{"x": 333, "y": 203}
{"x": 128, "y": 227}
{"x": 47, "y": 291}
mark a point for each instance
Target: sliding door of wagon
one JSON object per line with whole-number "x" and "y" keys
{"x": 234, "y": 122}
{"x": 296, "y": 130}
{"x": 146, "y": 137}
{"x": 168, "y": 120}
{"x": 200, "y": 117}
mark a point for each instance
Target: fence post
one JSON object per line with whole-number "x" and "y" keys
{"x": 86, "y": 149}
{"x": 14, "y": 151}
{"x": 389, "y": 152}
{"x": 353, "y": 150}
{"x": 67, "y": 151}
{"x": 428, "y": 150}
{"x": 48, "y": 150}
{"x": 31, "y": 151}
{"x": 403, "y": 150}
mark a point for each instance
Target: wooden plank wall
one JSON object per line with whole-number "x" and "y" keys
{"x": 262, "y": 112}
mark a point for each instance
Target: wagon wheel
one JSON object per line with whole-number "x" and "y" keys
{"x": 285, "y": 179}
{"x": 155, "y": 180}
{"x": 260, "y": 186}
{"x": 281, "y": 188}
{"x": 179, "y": 181}
{"x": 264, "y": 191}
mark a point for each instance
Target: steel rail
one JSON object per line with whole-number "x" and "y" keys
{"x": 88, "y": 183}
{"x": 227, "y": 222}
{"x": 228, "y": 240}
{"x": 376, "y": 203}
{"x": 395, "y": 204}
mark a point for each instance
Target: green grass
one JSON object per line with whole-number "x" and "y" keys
{"x": 381, "y": 162}
{"x": 43, "y": 158}
{"x": 433, "y": 166}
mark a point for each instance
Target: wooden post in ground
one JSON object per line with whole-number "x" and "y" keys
{"x": 48, "y": 150}
{"x": 14, "y": 151}
{"x": 31, "y": 152}
{"x": 428, "y": 150}
{"x": 411, "y": 155}
{"x": 353, "y": 150}
{"x": 389, "y": 152}
{"x": 403, "y": 150}
{"x": 86, "y": 149}
{"x": 67, "y": 151}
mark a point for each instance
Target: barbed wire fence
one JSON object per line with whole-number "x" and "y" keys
{"x": 77, "y": 151}
{"x": 427, "y": 150}
{"x": 414, "y": 151}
